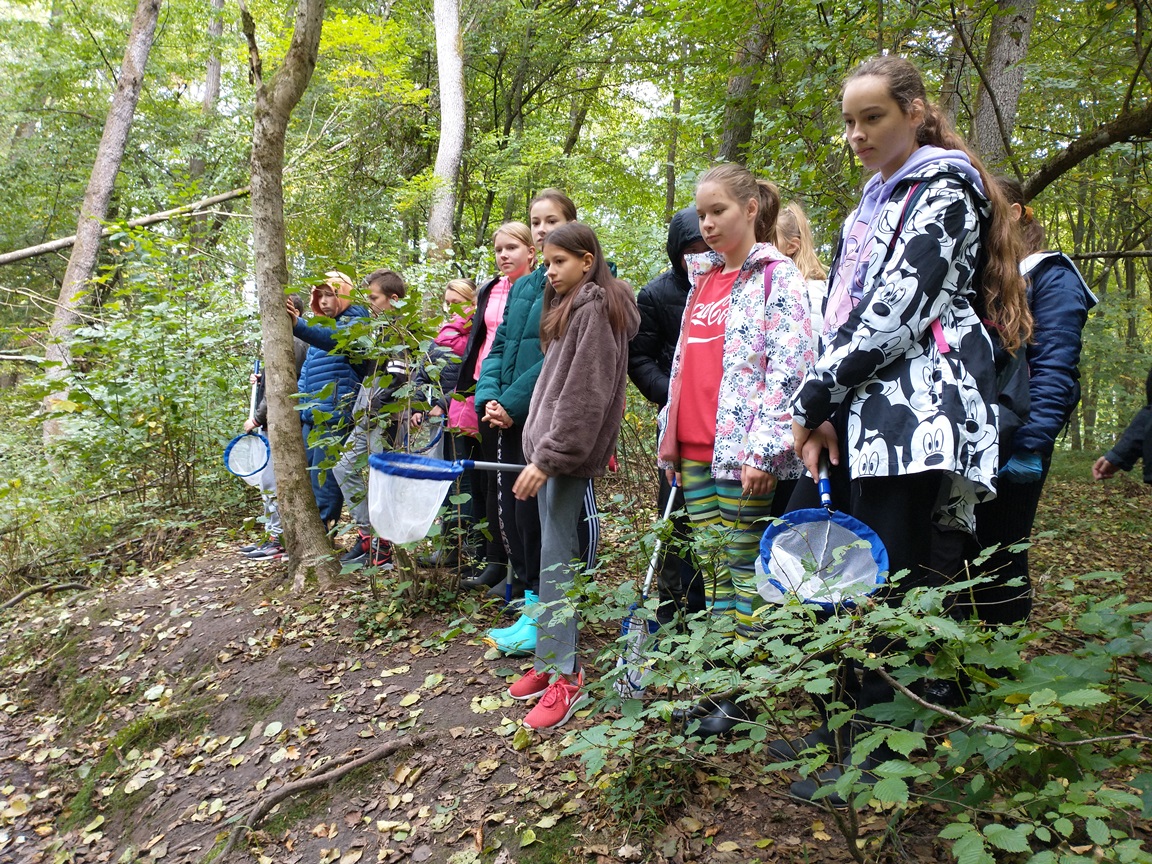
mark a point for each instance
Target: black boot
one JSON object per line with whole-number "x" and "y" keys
{"x": 789, "y": 749}
{"x": 486, "y": 578}
{"x": 500, "y": 590}
{"x": 443, "y": 558}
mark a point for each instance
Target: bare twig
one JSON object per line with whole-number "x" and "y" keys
{"x": 265, "y": 806}
{"x": 40, "y": 589}
{"x": 966, "y": 722}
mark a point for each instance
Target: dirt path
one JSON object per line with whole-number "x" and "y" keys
{"x": 143, "y": 723}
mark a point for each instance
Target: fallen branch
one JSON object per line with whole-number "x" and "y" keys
{"x": 40, "y": 589}
{"x": 153, "y": 219}
{"x": 265, "y": 806}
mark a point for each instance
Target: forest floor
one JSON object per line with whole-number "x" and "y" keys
{"x": 145, "y": 720}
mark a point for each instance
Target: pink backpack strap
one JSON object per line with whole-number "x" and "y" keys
{"x": 768, "y": 278}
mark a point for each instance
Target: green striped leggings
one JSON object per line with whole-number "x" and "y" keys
{"x": 729, "y": 570}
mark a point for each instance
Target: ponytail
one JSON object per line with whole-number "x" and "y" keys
{"x": 739, "y": 183}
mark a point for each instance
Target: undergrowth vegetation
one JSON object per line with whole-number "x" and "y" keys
{"x": 1033, "y": 740}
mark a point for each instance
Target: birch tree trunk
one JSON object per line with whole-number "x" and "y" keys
{"x": 1002, "y": 80}
{"x": 304, "y": 537}
{"x": 450, "y": 70}
{"x": 94, "y": 208}
{"x": 196, "y": 163}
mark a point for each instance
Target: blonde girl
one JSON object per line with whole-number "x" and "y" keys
{"x": 794, "y": 239}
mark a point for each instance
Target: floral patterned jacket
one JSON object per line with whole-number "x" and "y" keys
{"x": 768, "y": 346}
{"x": 921, "y": 394}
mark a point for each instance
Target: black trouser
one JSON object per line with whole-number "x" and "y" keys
{"x": 485, "y": 496}
{"x": 1004, "y": 521}
{"x": 677, "y": 575}
{"x": 519, "y": 520}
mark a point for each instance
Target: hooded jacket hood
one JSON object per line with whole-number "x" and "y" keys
{"x": 339, "y": 283}
{"x": 683, "y": 230}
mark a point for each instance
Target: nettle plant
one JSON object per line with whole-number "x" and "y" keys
{"x": 1037, "y": 754}
{"x": 159, "y": 380}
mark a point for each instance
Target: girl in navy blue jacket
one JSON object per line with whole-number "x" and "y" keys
{"x": 1059, "y": 300}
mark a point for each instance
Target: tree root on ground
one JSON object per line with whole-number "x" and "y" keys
{"x": 265, "y": 806}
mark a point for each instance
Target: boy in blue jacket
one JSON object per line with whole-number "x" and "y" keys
{"x": 328, "y": 385}
{"x": 379, "y": 382}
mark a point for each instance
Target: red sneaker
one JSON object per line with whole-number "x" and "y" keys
{"x": 560, "y": 701}
{"x": 530, "y": 685}
{"x": 381, "y": 553}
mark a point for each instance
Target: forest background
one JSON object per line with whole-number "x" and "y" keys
{"x": 622, "y": 104}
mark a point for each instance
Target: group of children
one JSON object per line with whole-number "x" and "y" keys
{"x": 888, "y": 369}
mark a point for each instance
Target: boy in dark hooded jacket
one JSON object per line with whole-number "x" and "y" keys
{"x": 661, "y": 303}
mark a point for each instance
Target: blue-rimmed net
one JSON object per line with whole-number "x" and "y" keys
{"x": 818, "y": 556}
{"x": 405, "y": 492}
{"x": 246, "y": 455}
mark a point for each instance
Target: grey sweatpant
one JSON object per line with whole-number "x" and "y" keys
{"x": 350, "y": 478}
{"x": 268, "y": 494}
{"x": 561, "y": 502}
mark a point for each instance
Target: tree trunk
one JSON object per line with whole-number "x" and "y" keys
{"x": 670, "y": 164}
{"x": 96, "y": 199}
{"x": 1002, "y": 79}
{"x": 450, "y": 70}
{"x": 304, "y": 535}
{"x": 740, "y": 99}
{"x": 196, "y": 163}
{"x": 579, "y": 113}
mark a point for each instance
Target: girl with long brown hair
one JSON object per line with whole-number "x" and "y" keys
{"x": 905, "y": 386}
{"x": 570, "y": 434}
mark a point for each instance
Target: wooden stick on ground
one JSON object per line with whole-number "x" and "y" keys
{"x": 39, "y": 589}
{"x": 264, "y": 806}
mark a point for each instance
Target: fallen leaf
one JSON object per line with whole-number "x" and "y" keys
{"x": 273, "y": 729}
{"x": 351, "y": 856}
{"x": 485, "y": 767}
{"x": 527, "y": 838}
{"x": 689, "y": 825}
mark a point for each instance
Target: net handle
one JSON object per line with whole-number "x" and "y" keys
{"x": 655, "y": 559}
{"x": 490, "y": 466}
{"x": 252, "y": 398}
{"x": 824, "y": 484}
{"x": 436, "y": 435}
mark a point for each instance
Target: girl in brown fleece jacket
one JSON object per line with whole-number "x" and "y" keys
{"x": 577, "y": 404}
